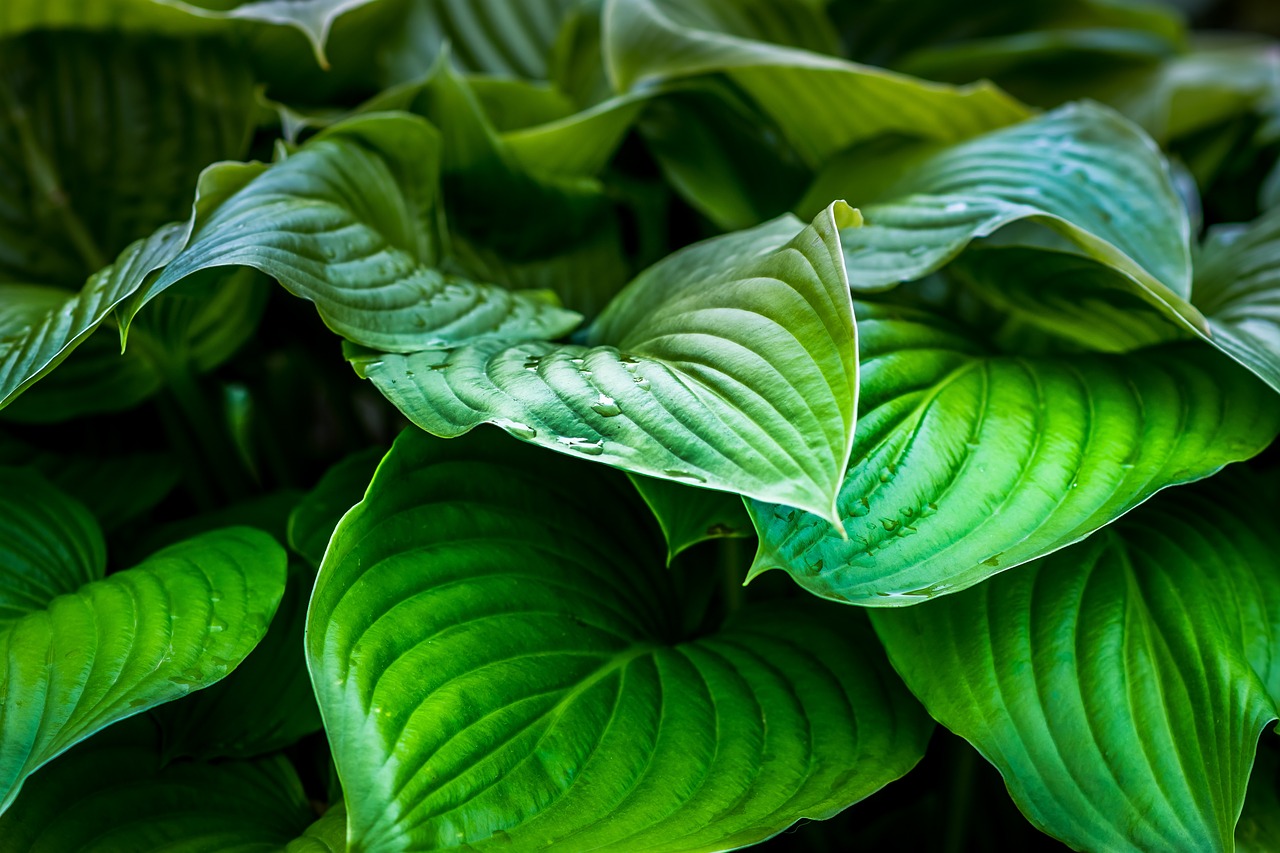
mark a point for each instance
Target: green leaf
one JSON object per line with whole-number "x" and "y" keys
{"x": 115, "y": 489}
{"x": 1259, "y": 828}
{"x": 265, "y": 705}
{"x": 688, "y": 516}
{"x": 1121, "y": 684}
{"x": 496, "y": 648}
{"x": 730, "y": 364}
{"x": 81, "y": 651}
{"x": 1082, "y": 172}
{"x": 650, "y": 43}
{"x": 1237, "y": 286}
{"x": 35, "y": 337}
{"x": 350, "y": 221}
{"x": 313, "y": 18}
{"x": 158, "y": 111}
{"x": 967, "y": 462}
{"x": 114, "y": 794}
{"x": 312, "y": 521}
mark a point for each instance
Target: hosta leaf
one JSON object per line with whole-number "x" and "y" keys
{"x": 496, "y": 648}
{"x": 312, "y": 521}
{"x": 313, "y": 18}
{"x": 688, "y": 516}
{"x": 1237, "y": 286}
{"x": 1082, "y": 171}
{"x": 114, "y": 794}
{"x": 730, "y": 365}
{"x": 115, "y": 488}
{"x": 35, "y": 337}
{"x": 969, "y": 462}
{"x": 350, "y": 221}
{"x": 158, "y": 111}
{"x": 265, "y": 705}
{"x": 81, "y": 651}
{"x": 1120, "y": 685}
{"x": 655, "y": 42}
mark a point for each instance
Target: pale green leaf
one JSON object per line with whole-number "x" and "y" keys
{"x": 1120, "y": 685}
{"x": 313, "y": 18}
{"x": 1082, "y": 173}
{"x": 730, "y": 364}
{"x": 968, "y": 462}
{"x": 497, "y": 650}
{"x": 350, "y": 222}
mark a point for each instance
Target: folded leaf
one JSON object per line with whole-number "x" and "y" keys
{"x": 968, "y": 462}
{"x": 1237, "y": 286}
{"x": 496, "y": 647}
{"x": 81, "y": 651}
{"x": 114, "y": 794}
{"x": 688, "y": 516}
{"x": 728, "y": 365}
{"x": 350, "y": 221}
{"x": 652, "y": 42}
{"x": 1082, "y": 171}
{"x": 1119, "y": 685}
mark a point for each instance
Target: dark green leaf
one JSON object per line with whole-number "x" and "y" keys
{"x": 312, "y": 521}
{"x": 688, "y": 516}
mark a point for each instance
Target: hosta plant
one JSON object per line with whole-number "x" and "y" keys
{"x": 706, "y": 412}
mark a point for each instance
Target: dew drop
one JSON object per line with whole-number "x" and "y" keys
{"x": 516, "y": 428}
{"x": 606, "y": 406}
{"x": 531, "y": 363}
{"x": 216, "y": 625}
{"x": 582, "y": 445}
{"x": 956, "y": 207}
{"x": 690, "y": 477}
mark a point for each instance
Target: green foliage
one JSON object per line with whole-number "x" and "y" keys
{"x": 953, "y": 316}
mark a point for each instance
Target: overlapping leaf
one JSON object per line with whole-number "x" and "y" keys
{"x": 968, "y": 462}
{"x": 1119, "y": 685}
{"x": 81, "y": 651}
{"x": 350, "y": 221}
{"x": 496, "y": 647}
{"x": 730, "y": 364}
{"x": 688, "y": 516}
{"x": 1082, "y": 171}
{"x": 114, "y": 794}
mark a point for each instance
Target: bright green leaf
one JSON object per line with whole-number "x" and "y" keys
{"x": 967, "y": 462}
{"x": 730, "y": 364}
{"x": 1120, "y": 685}
{"x": 81, "y": 651}
{"x": 496, "y": 648}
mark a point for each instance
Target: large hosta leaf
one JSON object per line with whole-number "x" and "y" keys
{"x": 968, "y": 462}
{"x": 1119, "y": 685}
{"x": 655, "y": 42}
{"x": 730, "y": 364}
{"x": 1082, "y": 171}
{"x": 351, "y": 222}
{"x": 81, "y": 651}
{"x": 114, "y": 794}
{"x": 158, "y": 111}
{"x": 1237, "y": 286}
{"x": 495, "y": 643}
{"x": 313, "y": 18}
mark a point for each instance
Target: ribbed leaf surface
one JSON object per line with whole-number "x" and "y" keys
{"x": 496, "y": 647}
{"x": 729, "y": 364}
{"x": 1119, "y": 685}
{"x": 968, "y": 462}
